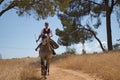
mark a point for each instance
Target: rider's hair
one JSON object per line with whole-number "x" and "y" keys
{"x": 46, "y": 23}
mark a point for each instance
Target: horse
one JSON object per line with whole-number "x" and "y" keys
{"x": 45, "y": 54}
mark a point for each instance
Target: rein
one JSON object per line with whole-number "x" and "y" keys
{"x": 48, "y": 45}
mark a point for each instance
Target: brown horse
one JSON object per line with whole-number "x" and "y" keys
{"x": 45, "y": 54}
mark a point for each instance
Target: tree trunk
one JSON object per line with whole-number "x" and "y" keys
{"x": 108, "y": 23}
{"x": 108, "y": 28}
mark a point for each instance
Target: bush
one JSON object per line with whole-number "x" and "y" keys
{"x": 69, "y": 51}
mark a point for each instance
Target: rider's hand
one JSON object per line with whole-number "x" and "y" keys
{"x": 51, "y": 36}
{"x": 36, "y": 49}
{"x": 36, "y": 40}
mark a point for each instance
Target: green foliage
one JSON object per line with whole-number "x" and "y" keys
{"x": 83, "y": 51}
{"x": 95, "y": 53}
{"x": 96, "y": 10}
{"x": 63, "y": 4}
{"x": 40, "y": 9}
{"x": 116, "y": 46}
{"x": 69, "y": 51}
{"x": 118, "y": 2}
{"x": 71, "y": 33}
{"x": 78, "y": 8}
{"x": 64, "y": 37}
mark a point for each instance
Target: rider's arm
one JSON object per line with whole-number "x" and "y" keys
{"x": 51, "y": 34}
{"x": 39, "y": 36}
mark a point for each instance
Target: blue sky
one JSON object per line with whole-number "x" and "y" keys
{"x": 17, "y": 35}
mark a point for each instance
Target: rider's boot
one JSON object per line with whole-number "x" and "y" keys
{"x": 39, "y": 46}
{"x": 54, "y": 53}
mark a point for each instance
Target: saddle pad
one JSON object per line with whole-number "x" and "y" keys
{"x": 53, "y": 44}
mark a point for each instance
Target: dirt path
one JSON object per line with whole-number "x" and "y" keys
{"x": 65, "y": 74}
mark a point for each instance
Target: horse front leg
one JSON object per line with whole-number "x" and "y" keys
{"x": 42, "y": 67}
{"x": 47, "y": 66}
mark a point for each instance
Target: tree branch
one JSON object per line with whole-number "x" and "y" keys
{"x": 95, "y": 38}
{"x": 12, "y": 5}
{"x": 95, "y": 3}
{"x": 115, "y": 2}
{"x": 1, "y": 1}
{"x": 112, "y": 5}
{"x": 93, "y": 35}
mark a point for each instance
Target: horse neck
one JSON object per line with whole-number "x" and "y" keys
{"x": 47, "y": 46}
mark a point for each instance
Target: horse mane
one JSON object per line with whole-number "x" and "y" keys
{"x": 44, "y": 36}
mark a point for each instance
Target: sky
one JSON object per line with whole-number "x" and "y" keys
{"x": 18, "y": 35}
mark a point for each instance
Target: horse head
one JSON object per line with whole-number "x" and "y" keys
{"x": 45, "y": 39}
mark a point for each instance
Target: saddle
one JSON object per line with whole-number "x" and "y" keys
{"x": 53, "y": 44}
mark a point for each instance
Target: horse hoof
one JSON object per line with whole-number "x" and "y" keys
{"x": 45, "y": 77}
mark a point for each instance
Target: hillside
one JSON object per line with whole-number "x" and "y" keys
{"x": 71, "y": 67}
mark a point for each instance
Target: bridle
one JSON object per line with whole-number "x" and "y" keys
{"x": 46, "y": 40}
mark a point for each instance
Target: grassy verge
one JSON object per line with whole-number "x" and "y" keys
{"x": 105, "y": 66}
{"x": 18, "y": 69}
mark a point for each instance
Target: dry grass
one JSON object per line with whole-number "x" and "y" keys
{"x": 105, "y": 66}
{"x": 18, "y": 69}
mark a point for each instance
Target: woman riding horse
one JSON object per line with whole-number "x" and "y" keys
{"x": 47, "y": 31}
{"x": 45, "y": 54}
{"x": 46, "y": 48}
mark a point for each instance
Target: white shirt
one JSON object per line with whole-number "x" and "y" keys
{"x": 46, "y": 30}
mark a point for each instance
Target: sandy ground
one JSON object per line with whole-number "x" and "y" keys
{"x": 64, "y": 74}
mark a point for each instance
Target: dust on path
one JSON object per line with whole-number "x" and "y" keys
{"x": 64, "y": 74}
